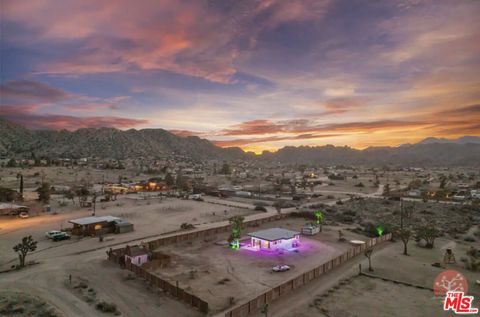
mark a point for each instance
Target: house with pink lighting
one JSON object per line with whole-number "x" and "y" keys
{"x": 274, "y": 239}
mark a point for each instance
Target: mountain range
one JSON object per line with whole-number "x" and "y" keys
{"x": 106, "y": 143}
{"x": 18, "y": 141}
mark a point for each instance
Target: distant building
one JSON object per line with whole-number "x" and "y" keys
{"x": 12, "y": 209}
{"x": 416, "y": 193}
{"x": 475, "y": 193}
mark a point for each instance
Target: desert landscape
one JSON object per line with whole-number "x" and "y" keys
{"x": 254, "y": 158}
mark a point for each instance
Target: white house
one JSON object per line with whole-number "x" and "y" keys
{"x": 274, "y": 239}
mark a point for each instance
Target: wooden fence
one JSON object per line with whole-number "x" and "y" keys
{"x": 168, "y": 288}
{"x": 115, "y": 254}
{"x": 252, "y": 305}
{"x": 271, "y": 295}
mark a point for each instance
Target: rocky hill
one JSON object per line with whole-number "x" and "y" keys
{"x": 107, "y": 143}
{"x": 431, "y": 154}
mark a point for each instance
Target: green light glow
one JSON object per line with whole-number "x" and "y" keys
{"x": 319, "y": 215}
{"x": 380, "y": 231}
{"x": 235, "y": 244}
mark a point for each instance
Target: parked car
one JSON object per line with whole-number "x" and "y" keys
{"x": 50, "y": 234}
{"x": 23, "y": 215}
{"x": 61, "y": 236}
{"x": 280, "y": 268}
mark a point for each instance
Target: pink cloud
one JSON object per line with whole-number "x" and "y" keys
{"x": 29, "y": 90}
{"x": 26, "y": 116}
{"x": 191, "y": 38}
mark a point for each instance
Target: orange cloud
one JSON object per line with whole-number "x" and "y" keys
{"x": 243, "y": 142}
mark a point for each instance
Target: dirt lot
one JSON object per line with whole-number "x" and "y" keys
{"x": 85, "y": 258}
{"x": 215, "y": 272}
{"x": 150, "y": 217}
{"x": 58, "y": 175}
{"x": 21, "y": 304}
{"x": 365, "y": 297}
{"x": 362, "y": 296}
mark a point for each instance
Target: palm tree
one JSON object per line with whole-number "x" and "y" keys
{"x": 319, "y": 216}
{"x": 237, "y": 226}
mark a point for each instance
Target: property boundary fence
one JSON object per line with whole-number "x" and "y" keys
{"x": 246, "y": 308}
{"x": 253, "y": 305}
{"x": 115, "y": 255}
{"x": 173, "y": 290}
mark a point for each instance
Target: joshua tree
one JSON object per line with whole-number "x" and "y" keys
{"x": 169, "y": 180}
{"x": 27, "y": 245}
{"x": 341, "y": 236}
{"x": 368, "y": 254}
{"x": 94, "y": 201}
{"x": 70, "y": 195}
{"x": 44, "y": 193}
{"x": 319, "y": 217}
{"x": 265, "y": 310}
{"x": 237, "y": 226}
{"x": 20, "y": 176}
{"x": 225, "y": 169}
{"x": 428, "y": 233}
{"x": 278, "y": 205}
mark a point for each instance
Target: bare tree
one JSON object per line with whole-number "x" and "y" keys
{"x": 405, "y": 235}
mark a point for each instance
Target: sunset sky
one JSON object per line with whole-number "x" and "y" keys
{"x": 254, "y": 74}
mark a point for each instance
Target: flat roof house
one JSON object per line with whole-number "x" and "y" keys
{"x": 91, "y": 225}
{"x": 12, "y": 209}
{"x": 274, "y": 239}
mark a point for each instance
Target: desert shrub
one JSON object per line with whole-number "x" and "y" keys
{"x": 260, "y": 208}
{"x": 469, "y": 239}
{"x": 260, "y": 204}
{"x": 106, "y": 307}
{"x": 303, "y": 214}
{"x": 186, "y": 225}
{"x": 350, "y": 212}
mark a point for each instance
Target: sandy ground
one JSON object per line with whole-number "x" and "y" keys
{"x": 362, "y": 296}
{"x": 20, "y": 304}
{"x": 386, "y": 298}
{"x": 150, "y": 217}
{"x": 33, "y": 176}
{"x": 215, "y": 272}
{"x": 85, "y": 258}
